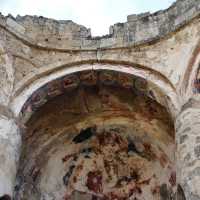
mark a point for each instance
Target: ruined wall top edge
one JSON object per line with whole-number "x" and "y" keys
{"x": 65, "y": 34}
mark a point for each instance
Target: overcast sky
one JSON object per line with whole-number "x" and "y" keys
{"x": 95, "y": 14}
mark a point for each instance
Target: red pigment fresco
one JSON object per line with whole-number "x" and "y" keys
{"x": 172, "y": 179}
{"x": 126, "y": 186}
{"x": 94, "y": 181}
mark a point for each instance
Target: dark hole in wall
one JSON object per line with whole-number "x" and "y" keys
{"x": 180, "y": 193}
{"x": 132, "y": 147}
{"x": 84, "y": 135}
{"x": 5, "y": 197}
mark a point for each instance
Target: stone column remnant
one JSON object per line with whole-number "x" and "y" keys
{"x": 10, "y": 142}
{"x": 188, "y": 150}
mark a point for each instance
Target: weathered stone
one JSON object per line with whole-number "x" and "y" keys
{"x": 58, "y": 80}
{"x": 183, "y": 138}
{"x": 189, "y": 153}
{"x": 197, "y": 151}
{"x": 10, "y": 142}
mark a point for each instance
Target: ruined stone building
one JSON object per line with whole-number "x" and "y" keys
{"x": 115, "y": 117}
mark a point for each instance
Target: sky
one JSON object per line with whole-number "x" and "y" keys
{"x": 95, "y": 14}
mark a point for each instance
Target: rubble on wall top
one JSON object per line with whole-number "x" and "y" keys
{"x": 138, "y": 29}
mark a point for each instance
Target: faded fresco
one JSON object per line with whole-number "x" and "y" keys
{"x": 123, "y": 147}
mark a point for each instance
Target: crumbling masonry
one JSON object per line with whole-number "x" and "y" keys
{"x": 108, "y": 118}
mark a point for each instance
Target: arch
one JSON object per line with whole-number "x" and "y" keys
{"x": 106, "y": 114}
{"x": 189, "y": 78}
{"x": 158, "y": 82}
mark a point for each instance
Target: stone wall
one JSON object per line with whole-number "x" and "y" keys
{"x": 37, "y": 45}
{"x": 159, "y": 53}
{"x": 138, "y": 29}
